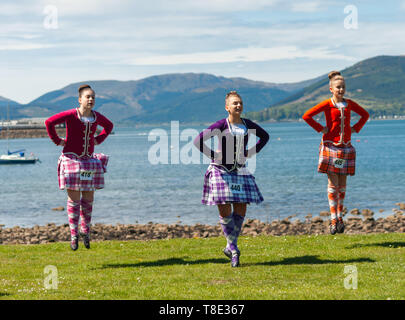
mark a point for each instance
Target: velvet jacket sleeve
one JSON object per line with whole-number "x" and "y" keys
{"x": 51, "y": 122}
{"x": 364, "y": 115}
{"x": 260, "y": 133}
{"x": 308, "y": 116}
{"x": 107, "y": 128}
{"x": 206, "y": 134}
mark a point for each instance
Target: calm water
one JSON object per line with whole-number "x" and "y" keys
{"x": 138, "y": 192}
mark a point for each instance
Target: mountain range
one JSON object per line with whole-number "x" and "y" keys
{"x": 186, "y": 97}
{"x": 376, "y": 84}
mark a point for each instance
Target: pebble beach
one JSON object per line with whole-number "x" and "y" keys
{"x": 356, "y": 222}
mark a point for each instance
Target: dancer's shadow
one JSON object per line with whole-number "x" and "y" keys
{"x": 287, "y": 261}
{"x": 164, "y": 262}
{"x": 380, "y": 244}
{"x": 309, "y": 260}
{"x": 3, "y": 294}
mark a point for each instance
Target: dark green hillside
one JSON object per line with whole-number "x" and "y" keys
{"x": 378, "y": 84}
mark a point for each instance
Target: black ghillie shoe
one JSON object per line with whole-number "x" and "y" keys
{"x": 74, "y": 243}
{"x": 86, "y": 240}
{"x": 332, "y": 227}
{"x": 228, "y": 253}
{"x": 340, "y": 226}
{"x": 235, "y": 260}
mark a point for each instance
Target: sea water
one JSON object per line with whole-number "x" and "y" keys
{"x": 138, "y": 191}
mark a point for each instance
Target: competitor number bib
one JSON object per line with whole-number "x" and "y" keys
{"x": 339, "y": 163}
{"x": 86, "y": 175}
{"x": 236, "y": 188}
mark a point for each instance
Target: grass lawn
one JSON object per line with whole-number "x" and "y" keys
{"x": 290, "y": 267}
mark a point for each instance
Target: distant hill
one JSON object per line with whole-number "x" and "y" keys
{"x": 188, "y": 97}
{"x": 14, "y": 108}
{"x": 377, "y": 84}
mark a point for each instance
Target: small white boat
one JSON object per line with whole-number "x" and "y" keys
{"x": 17, "y": 157}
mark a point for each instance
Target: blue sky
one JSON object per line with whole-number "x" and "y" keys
{"x": 46, "y": 45}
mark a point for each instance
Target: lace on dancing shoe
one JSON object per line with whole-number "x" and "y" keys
{"x": 332, "y": 227}
{"x": 340, "y": 227}
{"x": 228, "y": 252}
{"x": 235, "y": 260}
{"x": 86, "y": 240}
{"x": 74, "y": 243}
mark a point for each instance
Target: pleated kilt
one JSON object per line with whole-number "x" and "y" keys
{"x": 222, "y": 187}
{"x": 84, "y": 174}
{"x": 339, "y": 160}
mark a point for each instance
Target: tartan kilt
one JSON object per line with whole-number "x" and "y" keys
{"x": 84, "y": 174}
{"x": 222, "y": 187}
{"x": 338, "y": 160}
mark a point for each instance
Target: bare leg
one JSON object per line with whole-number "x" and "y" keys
{"x": 342, "y": 180}
{"x": 225, "y": 210}
{"x": 240, "y": 209}
{"x": 73, "y": 195}
{"x": 88, "y": 195}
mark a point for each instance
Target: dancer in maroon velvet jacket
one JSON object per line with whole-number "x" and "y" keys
{"x": 80, "y": 170}
{"x": 228, "y": 183}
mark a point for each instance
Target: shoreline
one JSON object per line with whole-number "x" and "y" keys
{"x": 359, "y": 222}
{"x": 40, "y": 132}
{"x": 29, "y": 133}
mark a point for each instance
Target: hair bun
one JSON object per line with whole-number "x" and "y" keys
{"x": 333, "y": 74}
{"x": 84, "y": 86}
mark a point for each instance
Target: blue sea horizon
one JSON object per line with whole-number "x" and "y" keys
{"x": 138, "y": 191}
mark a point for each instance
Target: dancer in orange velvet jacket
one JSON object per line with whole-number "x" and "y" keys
{"x": 337, "y": 156}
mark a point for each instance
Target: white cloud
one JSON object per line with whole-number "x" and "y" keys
{"x": 13, "y": 9}
{"x": 308, "y": 7}
{"x": 24, "y": 46}
{"x": 138, "y": 8}
{"x": 229, "y": 5}
{"x": 240, "y": 55}
{"x": 87, "y": 7}
{"x": 133, "y": 38}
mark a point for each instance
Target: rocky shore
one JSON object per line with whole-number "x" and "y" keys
{"x": 29, "y": 133}
{"x": 19, "y": 133}
{"x": 359, "y": 222}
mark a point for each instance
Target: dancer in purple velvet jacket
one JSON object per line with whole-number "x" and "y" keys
{"x": 227, "y": 182}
